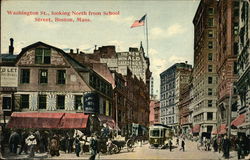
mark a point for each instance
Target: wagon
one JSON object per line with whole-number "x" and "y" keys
{"x": 121, "y": 143}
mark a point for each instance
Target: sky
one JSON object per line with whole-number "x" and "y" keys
{"x": 169, "y": 22}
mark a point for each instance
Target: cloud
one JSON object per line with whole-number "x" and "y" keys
{"x": 152, "y": 52}
{"x": 158, "y": 33}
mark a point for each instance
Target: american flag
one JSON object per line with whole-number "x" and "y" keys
{"x": 139, "y": 23}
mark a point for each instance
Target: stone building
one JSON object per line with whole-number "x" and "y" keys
{"x": 205, "y": 67}
{"x": 243, "y": 83}
{"x": 172, "y": 81}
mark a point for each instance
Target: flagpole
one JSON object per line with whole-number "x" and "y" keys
{"x": 147, "y": 33}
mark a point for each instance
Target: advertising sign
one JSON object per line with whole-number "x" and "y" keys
{"x": 91, "y": 103}
{"x": 8, "y": 76}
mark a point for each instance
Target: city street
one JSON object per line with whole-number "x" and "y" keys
{"x": 145, "y": 152}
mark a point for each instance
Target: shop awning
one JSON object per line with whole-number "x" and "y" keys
{"x": 222, "y": 129}
{"x": 108, "y": 120}
{"x": 196, "y": 128}
{"x": 238, "y": 120}
{"x": 214, "y": 132}
{"x": 46, "y": 120}
{"x": 74, "y": 120}
{"x": 34, "y": 120}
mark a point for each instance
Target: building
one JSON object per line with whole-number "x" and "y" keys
{"x": 185, "y": 110}
{"x": 152, "y": 87}
{"x": 53, "y": 84}
{"x": 8, "y": 84}
{"x": 157, "y": 113}
{"x": 154, "y": 104}
{"x": 172, "y": 81}
{"x": 131, "y": 92}
{"x": 205, "y": 67}
{"x": 228, "y": 24}
{"x": 243, "y": 83}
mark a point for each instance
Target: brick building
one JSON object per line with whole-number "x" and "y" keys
{"x": 228, "y": 24}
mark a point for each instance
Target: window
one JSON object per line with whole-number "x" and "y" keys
{"x": 210, "y": 103}
{"x": 24, "y": 101}
{"x": 210, "y": 22}
{"x": 210, "y": 68}
{"x": 210, "y": 91}
{"x": 235, "y": 68}
{"x": 236, "y": 28}
{"x": 25, "y": 76}
{"x": 236, "y": 46}
{"x": 6, "y": 103}
{"x": 210, "y": 11}
{"x": 61, "y": 76}
{"x": 210, "y": 34}
{"x": 236, "y": 12}
{"x": 78, "y": 102}
{"x": 210, "y": 56}
{"x": 43, "y": 76}
{"x": 210, "y": 80}
{"x": 210, "y": 45}
{"x": 60, "y": 101}
{"x": 42, "y": 99}
{"x": 209, "y": 115}
{"x": 42, "y": 56}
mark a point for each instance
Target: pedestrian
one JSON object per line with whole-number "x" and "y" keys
{"x": 31, "y": 142}
{"x": 93, "y": 147}
{"x": 54, "y": 146}
{"x": 170, "y": 145}
{"x": 177, "y": 141}
{"x": 226, "y": 146}
{"x": 24, "y": 146}
{"x": 183, "y": 145}
{"x": 77, "y": 145}
{"x": 14, "y": 141}
{"x": 240, "y": 146}
{"x": 215, "y": 145}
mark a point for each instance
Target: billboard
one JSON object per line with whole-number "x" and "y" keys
{"x": 91, "y": 103}
{"x": 8, "y": 76}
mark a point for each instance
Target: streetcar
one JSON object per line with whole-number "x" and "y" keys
{"x": 159, "y": 135}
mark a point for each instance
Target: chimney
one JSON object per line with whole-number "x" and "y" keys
{"x": 77, "y": 50}
{"x": 11, "y": 47}
{"x": 71, "y": 51}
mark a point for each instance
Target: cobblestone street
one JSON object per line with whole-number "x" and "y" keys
{"x": 145, "y": 152}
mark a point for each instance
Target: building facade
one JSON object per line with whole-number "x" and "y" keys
{"x": 243, "y": 83}
{"x": 228, "y": 24}
{"x": 205, "y": 67}
{"x": 172, "y": 80}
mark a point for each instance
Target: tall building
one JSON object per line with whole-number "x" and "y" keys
{"x": 228, "y": 24}
{"x": 205, "y": 67}
{"x": 151, "y": 87}
{"x": 172, "y": 81}
{"x": 243, "y": 83}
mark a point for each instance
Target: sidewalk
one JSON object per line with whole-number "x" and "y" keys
{"x": 233, "y": 155}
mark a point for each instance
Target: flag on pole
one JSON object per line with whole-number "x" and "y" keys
{"x": 139, "y": 23}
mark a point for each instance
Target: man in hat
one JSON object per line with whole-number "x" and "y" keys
{"x": 31, "y": 143}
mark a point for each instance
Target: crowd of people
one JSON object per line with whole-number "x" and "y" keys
{"x": 30, "y": 142}
{"x": 224, "y": 144}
